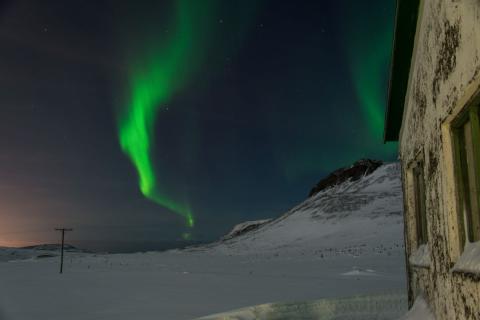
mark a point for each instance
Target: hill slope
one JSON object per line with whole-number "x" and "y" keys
{"x": 349, "y": 217}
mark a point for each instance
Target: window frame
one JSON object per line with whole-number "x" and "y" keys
{"x": 419, "y": 203}
{"x": 466, "y": 160}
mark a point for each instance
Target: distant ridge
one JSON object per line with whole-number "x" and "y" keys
{"x": 52, "y": 247}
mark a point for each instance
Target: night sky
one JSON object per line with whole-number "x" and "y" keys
{"x": 141, "y": 122}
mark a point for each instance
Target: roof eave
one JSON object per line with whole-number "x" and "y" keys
{"x": 403, "y": 42}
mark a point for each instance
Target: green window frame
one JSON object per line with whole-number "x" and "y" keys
{"x": 466, "y": 137}
{"x": 419, "y": 204}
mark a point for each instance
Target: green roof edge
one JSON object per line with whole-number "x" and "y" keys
{"x": 403, "y": 42}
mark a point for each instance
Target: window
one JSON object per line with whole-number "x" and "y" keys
{"x": 419, "y": 204}
{"x": 466, "y": 134}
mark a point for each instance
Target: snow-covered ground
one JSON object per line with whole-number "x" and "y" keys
{"x": 345, "y": 241}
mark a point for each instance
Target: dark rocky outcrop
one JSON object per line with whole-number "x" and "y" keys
{"x": 360, "y": 168}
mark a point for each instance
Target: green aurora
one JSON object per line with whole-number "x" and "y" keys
{"x": 154, "y": 77}
{"x": 369, "y": 54}
{"x": 160, "y": 70}
{"x": 367, "y": 43}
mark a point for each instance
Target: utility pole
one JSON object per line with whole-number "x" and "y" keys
{"x": 63, "y": 242}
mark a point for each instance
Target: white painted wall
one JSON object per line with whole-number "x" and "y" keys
{"x": 444, "y": 76}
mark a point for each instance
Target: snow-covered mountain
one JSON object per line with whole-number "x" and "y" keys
{"x": 350, "y": 214}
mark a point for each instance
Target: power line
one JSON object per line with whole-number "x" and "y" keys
{"x": 63, "y": 241}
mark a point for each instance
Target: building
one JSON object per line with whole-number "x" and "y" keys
{"x": 433, "y": 111}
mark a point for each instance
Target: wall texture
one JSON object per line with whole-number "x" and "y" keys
{"x": 444, "y": 75}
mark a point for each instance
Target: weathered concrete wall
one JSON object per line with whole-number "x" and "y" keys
{"x": 445, "y": 73}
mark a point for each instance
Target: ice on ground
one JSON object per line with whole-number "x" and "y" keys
{"x": 385, "y": 307}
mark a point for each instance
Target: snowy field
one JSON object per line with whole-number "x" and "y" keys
{"x": 343, "y": 242}
{"x": 177, "y": 285}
